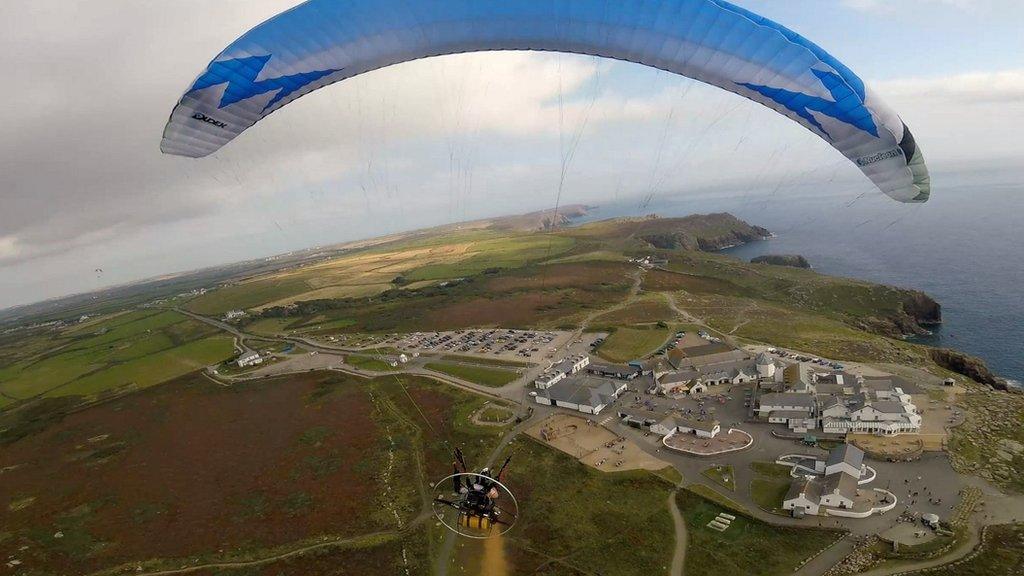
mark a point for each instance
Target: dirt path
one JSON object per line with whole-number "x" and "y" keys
{"x": 344, "y": 543}
{"x": 679, "y": 555}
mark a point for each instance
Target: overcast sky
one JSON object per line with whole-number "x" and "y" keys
{"x": 88, "y": 87}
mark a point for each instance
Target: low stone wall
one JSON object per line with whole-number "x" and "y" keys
{"x": 874, "y": 510}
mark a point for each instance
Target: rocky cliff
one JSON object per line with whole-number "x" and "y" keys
{"x": 791, "y": 260}
{"x": 970, "y": 366}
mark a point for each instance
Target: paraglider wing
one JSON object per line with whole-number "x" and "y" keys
{"x": 321, "y": 42}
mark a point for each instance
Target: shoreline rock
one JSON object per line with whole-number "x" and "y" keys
{"x": 791, "y": 260}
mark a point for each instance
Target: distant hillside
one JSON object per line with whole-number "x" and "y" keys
{"x": 705, "y": 232}
{"x": 791, "y": 260}
{"x": 541, "y": 220}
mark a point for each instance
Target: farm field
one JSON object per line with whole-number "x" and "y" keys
{"x": 477, "y": 374}
{"x": 299, "y": 458}
{"x": 364, "y": 273}
{"x": 137, "y": 349}
{"x": 626, "y": 344}
{"x": 748, "y": 546}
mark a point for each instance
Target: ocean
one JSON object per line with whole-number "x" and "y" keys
{"x": 965, "y": 247}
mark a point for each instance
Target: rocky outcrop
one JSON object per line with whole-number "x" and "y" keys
{"x": 917, "y": 311}
{"x": 791, "y": 260}
{"x": 970, "y": 366}
{"x": 706, "y": 232}
{"x": 922, "y": 308}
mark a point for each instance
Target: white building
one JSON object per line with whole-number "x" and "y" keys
{"x": 250, "y": 359}
{"x": 583, "y": 394}
{"x": 765, "y": 367}
{"x": 234, "y": 314}
{"x": 560, "y": 370}
{"x": 676, "y": 424}
{"x": 838, "y": 488}
{"x": 845, "y": 458}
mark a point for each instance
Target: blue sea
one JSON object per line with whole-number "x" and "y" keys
{"x": 965, "y": 247}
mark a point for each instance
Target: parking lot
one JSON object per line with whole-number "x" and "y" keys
{"x": 521, "y": 345}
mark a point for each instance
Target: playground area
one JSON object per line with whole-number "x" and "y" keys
{"x": 592, "y": 444}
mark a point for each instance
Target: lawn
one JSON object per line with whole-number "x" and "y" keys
{"x": 769, "y": 494}
{"x": 493, "y": 377}
{"x": 724, "y": 476}
{"x": 485, "y": 361}
{"x": 748, "y": 547}
{"x": 626, "y": 344}
{"x": 713, "y": 495}
{"x": 368, "y": 363}
{"x": 771, "y": 470}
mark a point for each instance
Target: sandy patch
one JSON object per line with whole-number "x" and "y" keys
{"x": 593, "y": 445}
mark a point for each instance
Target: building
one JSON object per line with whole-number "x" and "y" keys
{"x": 249, "y": 359}
{"x": 678, "y": 424}
{"x": 561, "y": 370}
{"x": 684, "y": 382}
{"x": 838, "y": 488}
{"x": 234, "y": 314}
{"x": 765, "y": 367}
{"x": 840, "y": 403}
{"x": 845, "y": 458}
{"x": 803, "y": 497}
{"x": 584, "y": 394}
{"x": 617, "y": 371}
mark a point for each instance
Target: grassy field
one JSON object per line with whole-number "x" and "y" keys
{"x": 368, "y": 363}
{"x": 612, "y": 524}
{"x": 493, "y": 377}
{"x": 716, "y": 497}
{"x": 626, "y": 344}
{"x": 748, "y": 547}
{"x": 485, "y": 361}
{"x": 138, "y": 349}
{"x": 648, "y": 309}
{"x": 724, "y": 476}
{"x": 367, "y": 273}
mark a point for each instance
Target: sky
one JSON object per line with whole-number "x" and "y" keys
{"x": 88, "y": 201}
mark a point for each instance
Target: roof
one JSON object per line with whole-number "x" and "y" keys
{"x": 788, "y": 399}
{"x": 808, "y": 486}
{"x": 603, "y": 368}
{"x": 889, "y": 406}
{"x": 789, "y": 414}
{"x": 843, "y": 483}
{"x": 680, "y": 422}
{"x": 706, "y": 349}
{"x": 763, "y": 360}
{"x": 846, "y": 453}
{"x": 581, "y": 390}
{"x": 680, "y": 377}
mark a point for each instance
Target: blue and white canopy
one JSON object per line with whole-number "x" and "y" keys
{"x": 321, "y": 42}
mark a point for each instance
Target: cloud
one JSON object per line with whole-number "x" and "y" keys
{"x": 84, "y": 186}
{"x": 978, "y": 88}
{"x": 889, "y": 6}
